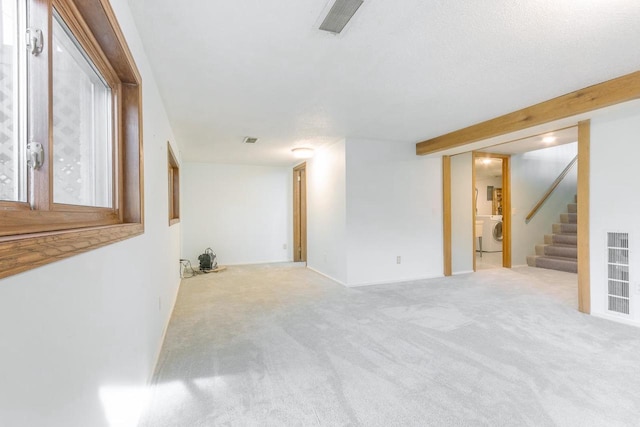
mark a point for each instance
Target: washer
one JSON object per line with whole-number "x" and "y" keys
{"x": 491, "y": 233}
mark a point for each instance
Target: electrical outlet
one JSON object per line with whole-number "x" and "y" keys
{"x": 159, "y": 304}
{"x": 284, "y": 246}
{"x": 398, "y": 259}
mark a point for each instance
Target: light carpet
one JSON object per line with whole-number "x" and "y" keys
{"x": 281, "y": 345}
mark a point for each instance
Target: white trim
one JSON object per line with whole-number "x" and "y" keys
{"x": 457, "y": 273}
{"x": 394, "y": 282}
{"x": 327, "y": 276}
{"x": 617, "y": 319}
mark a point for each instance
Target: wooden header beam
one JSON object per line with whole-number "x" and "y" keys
{"x": 601, "y": 95}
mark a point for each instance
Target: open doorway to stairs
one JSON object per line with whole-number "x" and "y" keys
{"x": 459, "y": 199}
{"x": 540, "y": 185}
{"x": 518, "y": 200}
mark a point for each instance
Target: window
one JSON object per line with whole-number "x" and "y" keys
{"x": 70, "y": 132}
{"x": 12, "y": 102}
{"x": 174, "y": 187}
{"x": 82, "y": 124}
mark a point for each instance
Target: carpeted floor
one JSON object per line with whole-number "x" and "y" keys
{"x": 281, "y": 345}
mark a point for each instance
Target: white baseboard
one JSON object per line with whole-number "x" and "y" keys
{"x": 457, "y": 273}
{"x": 618, "y": 319}
{"x": 326, "y": 275}
{"x": 393, "y": 282}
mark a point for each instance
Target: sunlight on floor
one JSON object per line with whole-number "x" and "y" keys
{"x": 123, "y": 405}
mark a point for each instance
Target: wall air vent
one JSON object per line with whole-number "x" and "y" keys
{"x": 339, "y": 15}
{"x": 250, "y": 140}
{"x": 618, "y": 272}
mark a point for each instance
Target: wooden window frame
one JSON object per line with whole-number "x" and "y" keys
{"x": 31, "y": 238}
{"x": 174, "y": 187}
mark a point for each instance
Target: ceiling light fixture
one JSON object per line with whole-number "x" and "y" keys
{"x": 549, "y": 139}
{"x": 339, "y": 15}
{"x": 302, "y": 153}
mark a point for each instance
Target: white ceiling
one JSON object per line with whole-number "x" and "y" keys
{"x": 402, "y": 70}
{"x": 535, "y": 142}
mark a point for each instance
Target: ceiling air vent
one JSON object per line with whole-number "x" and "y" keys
{"x": 618, "y": 272}
{"x": 250, "y": 140}
{"x": 339, "y": 15}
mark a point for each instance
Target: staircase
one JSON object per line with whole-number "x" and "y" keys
{"x": 560, "y": 249}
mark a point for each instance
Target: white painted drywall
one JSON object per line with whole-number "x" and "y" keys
{"x": 531, "y": 175}
{"x": 243, "y": 212}
{"x": 394, "y": 208}
{"x": 484, "y": 206}
{"x": 614, "y": 202}
{"x": 326, "y": 212}
{"x": 80, "y": 337}
{"x": 462, "y": 239}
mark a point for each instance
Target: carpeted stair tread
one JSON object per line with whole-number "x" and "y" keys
{"x": 565, "y": 251}
{"x": 561, "y": 239}
{"x": 565, "y": 228}
{"x": 553, "y": 263}
{"x": 569, "y": 218}
{"x": 560, "y": 249}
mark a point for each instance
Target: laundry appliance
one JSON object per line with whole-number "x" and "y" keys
{"x": 491, "y": 233}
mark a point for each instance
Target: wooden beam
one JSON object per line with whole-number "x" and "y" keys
{"x": 446, "y": 212}
{"x": 584, "y": 276}
{"x": 621, "y": 89}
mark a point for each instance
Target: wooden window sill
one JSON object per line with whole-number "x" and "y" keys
{"x": 28, "y": 251}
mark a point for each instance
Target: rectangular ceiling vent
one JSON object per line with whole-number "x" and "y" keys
{"x": 618, "y": 272}
{"x": 339, "y": 15}
{"x": 250, "y": 140}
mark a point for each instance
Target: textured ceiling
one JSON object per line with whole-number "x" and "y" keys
{"x": 401, "y": 70}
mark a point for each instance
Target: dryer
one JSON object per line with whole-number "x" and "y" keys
{"x": 491, "y": 233}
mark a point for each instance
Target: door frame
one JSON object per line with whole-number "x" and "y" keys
{"x": 300, "y": 213}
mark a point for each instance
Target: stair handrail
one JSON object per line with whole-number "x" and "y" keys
{"x": 553, "y": 186}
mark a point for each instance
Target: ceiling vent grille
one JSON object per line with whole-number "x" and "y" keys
{"x": 618, "y": 272}
{"x": 250, "y": 140}
{"x": 339, "y": 15}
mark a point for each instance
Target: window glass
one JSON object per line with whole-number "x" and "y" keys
{"x": 12, "y": 117}
{"x": 82, "y": 125}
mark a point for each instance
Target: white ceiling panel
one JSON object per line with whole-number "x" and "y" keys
{"x": 404, "y": 70}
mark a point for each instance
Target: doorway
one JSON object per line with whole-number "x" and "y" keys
{"x": 458, "y": 207}
{"x": 491, "y": 210}
{"x": 300, "y": 213}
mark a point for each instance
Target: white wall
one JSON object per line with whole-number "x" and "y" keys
{"x": 462, "y": 240}
{"x": 614, "y": 201}
{"x": 80, "y": 337}
{"x": 394, "y": 208}
{"x": 243, "y": 212}
{"x": 326, "y": 212}
{"x": 531, "y": 175}
{"x": 484, "y": 206}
